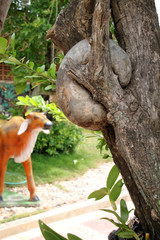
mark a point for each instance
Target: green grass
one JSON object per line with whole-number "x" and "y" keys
{"x": 47, "y": 169}
{"x": 22, "y": 215}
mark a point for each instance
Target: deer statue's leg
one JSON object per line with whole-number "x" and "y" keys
{"x": 30, "y": 180}
{"x": 3, "y": 168}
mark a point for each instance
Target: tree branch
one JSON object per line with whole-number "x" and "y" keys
{"x": 100, "y": 39}
{"x": 72, "y": 25}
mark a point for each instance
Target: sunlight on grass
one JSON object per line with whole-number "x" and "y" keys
{"x": 48, "y": 169}
{"x": 19, "y": 216}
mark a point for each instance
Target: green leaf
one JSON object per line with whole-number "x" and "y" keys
{"x": 20, "y": 88}
{"x": 116, "y": 190}
{"x": 124, "y": 211}
{"x": 44, "y": 74}
{"x": 20, "y": 80}
{"x": 33, "y": 76}
{"x": 52, "y": 70}
{"x": 113, "y": 204}
{"x": 22, "y": 100}
{"x": 39, "y": 99}
{"x": 3, "y": 45}
{"x": 114, "y": 213}
{"x": 48, "y": 233}
{"x": 13, "y": 40}
{"x": 105, "y": 156}
{"x": 12, "y": 60}
{"x": 73, "y": 237}
{"x": 125, "y": 233}
{"x": 31, "y": 65}
{"x": 33, "y": 102}
{"x": 99, "y": 194}
{"x": 20, "y": 103}
{"x": 50, "y": 87}
{"x": 101, "y": 144}
{"x": 119, "y": 225}
{"x": 13, "y": 44}
{"x": 40, "y": 69}
{"x": 112, "y": 177}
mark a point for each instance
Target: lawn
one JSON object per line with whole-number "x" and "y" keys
{"x": 47, "y": 169}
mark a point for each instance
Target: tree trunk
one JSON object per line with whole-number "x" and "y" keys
{"x": 132, "y": 129}
{"x": 4, "y": 6}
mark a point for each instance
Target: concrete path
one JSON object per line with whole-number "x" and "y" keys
{"x": 81, "y": 219}
{"x": 86, "y": 226}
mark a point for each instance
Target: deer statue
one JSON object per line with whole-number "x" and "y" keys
{"x": 17, "y": 140}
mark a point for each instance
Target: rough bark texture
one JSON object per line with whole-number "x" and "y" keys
{"x": 75, "y": 101}
{"x": 4, "y": 6}
{"x": 65, "y": 26}
{"x": 132, "y": 129}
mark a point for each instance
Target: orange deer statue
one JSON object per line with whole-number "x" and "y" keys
{"x": 17, "y": 140}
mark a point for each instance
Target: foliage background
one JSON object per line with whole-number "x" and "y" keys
{"x": 8, "y": 95}
{"x": 63, "y": 138}
{"x": 30, "y": 22}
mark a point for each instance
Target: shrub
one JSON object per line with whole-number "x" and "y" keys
{"x": 63, "y": 138}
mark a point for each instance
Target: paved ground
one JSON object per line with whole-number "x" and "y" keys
{"x": 62, "y": 193}
{"x": 87, "y": 226}
{"x": 81, "y": 218}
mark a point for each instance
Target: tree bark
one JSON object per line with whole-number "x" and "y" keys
{"x": 132, "y": 129}
{"x": 4, "y": 6}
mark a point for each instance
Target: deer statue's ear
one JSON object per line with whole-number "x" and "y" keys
{"x": 23, "y": 126}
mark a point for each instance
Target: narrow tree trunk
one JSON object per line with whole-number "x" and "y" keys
{"x": 4, "y": 6}
{"x": 132, "y": 129}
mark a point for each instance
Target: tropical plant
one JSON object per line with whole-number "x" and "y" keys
{"x": 113, "y": 189}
